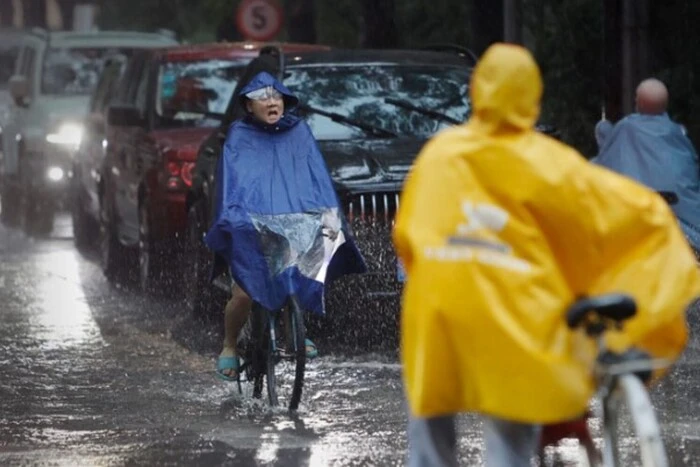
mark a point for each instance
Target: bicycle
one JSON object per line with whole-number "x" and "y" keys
{"x": 265, "y": 348}
{"x": 619, "y": 377}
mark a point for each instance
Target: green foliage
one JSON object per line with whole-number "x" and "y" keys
{"x": 675, "y": 38}
{"x": 338, "y": 22}
{"x": 422, "y": 22}
{"x": 566, "y": 38}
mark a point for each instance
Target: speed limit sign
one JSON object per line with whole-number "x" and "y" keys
{"x": 259, "y": 20}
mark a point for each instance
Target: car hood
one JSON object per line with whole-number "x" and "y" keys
{"x": 375, "y": 165}
{"x": 57, "y": 110}
{"x": 183, "y": 143}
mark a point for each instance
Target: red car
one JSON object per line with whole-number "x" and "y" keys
{"x": 168, "y": 102}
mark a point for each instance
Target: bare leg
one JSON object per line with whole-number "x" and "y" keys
{"x": 289, "y": 332}
{"x": 236, "y": 314}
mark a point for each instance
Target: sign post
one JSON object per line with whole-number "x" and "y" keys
{"x": 259, "y": 20}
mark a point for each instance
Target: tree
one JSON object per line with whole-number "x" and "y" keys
{"x": 487, "y": 23}
{"x": 34, "y": 13}
{"x": 379, "y": 26}
{"x": 7, "y": 14}
{"x": 301, "y": 21}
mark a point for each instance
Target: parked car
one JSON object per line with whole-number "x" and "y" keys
{"x": 51, "y": 86}
{"x": 168, "y": 102}
{"x": 89, "y": 158}
{"x": 11, "y": 41}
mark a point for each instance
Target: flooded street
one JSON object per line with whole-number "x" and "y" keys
{"x": 97, "y": 375}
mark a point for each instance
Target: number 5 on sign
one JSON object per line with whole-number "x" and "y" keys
{"x": 259, "y": 20}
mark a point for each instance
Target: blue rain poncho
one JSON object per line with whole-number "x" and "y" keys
{"x": 278, "y": 223}
{"x": 655, "y": 151}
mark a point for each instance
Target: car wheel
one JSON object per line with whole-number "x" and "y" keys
{"x": 115, "y": 258}
{"x": 150, "y": 269}
{"x": 84, "y": 231}
{"x": 198, "y": 291}
{"x": 38, "y": 215}
{"x": 10, "y": 209}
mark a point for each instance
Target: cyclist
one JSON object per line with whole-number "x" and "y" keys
{"x": 500, "y": 229}
{"x": 654, "y": 150}
{"x": 278, "y": 223}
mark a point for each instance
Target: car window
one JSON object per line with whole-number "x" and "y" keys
{"x": 28, "y": 67}
{"x": 128, "y": 85}
{"x": 359, "y": 91}
{"x": 189, "y": 90}
{"x": 8, "y": 61}
{"x": 75, "y": 71}
{"x": 142, "y": 89}
{"x": 106, "y": 86}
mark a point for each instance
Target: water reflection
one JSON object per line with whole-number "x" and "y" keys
{"x": 61, "y": 316}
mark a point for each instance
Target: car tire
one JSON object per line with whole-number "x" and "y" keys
{"x": 115, "y": 258}
{"x": 199, "y": 294}
{"x": 85, "y": 232}
{"x": 38, "y": 213}
{"x": 10, "y": 213}
{"x": 150, "y": 261}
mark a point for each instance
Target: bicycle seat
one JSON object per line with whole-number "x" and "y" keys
{"x": 615, "y": 307}
{"x": 670, "y": 196}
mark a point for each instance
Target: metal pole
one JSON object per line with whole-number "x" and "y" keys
{"x": 512, "y": 23}
{"x": 628, "y": 56}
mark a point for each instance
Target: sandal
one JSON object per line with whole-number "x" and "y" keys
{"x": 228, "y": 363}
{"x": 311, "y": 350}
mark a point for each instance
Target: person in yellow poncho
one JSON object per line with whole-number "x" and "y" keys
{"x": 500, "y": 229}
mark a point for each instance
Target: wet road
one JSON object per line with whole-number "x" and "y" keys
{"x": 97, "y": 375}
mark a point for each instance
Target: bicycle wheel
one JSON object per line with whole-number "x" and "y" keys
{"x": 293, "y": 350}
{"x": 646, "y": 429}
{"x": 254, "y": 343}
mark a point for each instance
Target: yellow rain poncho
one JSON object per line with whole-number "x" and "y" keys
{"x": 500, "y": 229}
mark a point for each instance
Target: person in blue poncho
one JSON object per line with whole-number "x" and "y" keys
{"x": 278, "y": 225}
{"x": 652, "y": 149}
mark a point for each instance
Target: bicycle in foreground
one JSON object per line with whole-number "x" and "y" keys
{"x": 274, "y": 354}
{"x": 621, "y": 379}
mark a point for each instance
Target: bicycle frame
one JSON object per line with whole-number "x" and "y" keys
{"x": 615, "y": 380}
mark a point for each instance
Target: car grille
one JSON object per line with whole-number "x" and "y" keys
{"x": 371, "y": 217}
{"x": 373, "y": 207}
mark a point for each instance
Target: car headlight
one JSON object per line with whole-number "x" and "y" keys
{"x": 55, "y": 174}
{"x": 68, "y": 133}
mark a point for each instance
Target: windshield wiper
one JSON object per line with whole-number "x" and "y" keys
{"x": 366, "y": 127}
{"x": 427, "y": 112}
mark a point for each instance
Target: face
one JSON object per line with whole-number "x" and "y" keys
{"x": 267, "y": 107}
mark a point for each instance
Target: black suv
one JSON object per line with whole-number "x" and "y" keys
{"x": 371, "y": 111}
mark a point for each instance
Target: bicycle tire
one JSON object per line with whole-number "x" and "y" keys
{"x": 272, "y": 361}
{"x": 646, "y": 427}
{"x": 644, "y": 423}
{"x": 299, "y": 330}
{"x": 258, "y": 348}
{"x": 298, "y": 353}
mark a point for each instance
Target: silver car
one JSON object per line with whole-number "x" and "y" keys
{"x": 53, "y": 80}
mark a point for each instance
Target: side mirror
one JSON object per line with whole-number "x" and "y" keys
{"x": 124, "y": 116}
{"x": 19, "y": 90}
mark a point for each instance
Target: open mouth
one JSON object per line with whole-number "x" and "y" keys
{"x": 273, "y": 113}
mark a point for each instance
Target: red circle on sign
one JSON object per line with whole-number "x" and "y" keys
{"x": 259, "y": 20}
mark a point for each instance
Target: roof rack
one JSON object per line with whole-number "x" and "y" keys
{"x": 167, "y": 32}
{"x": 39, "y": 31}
{"x": 453, "y": 48}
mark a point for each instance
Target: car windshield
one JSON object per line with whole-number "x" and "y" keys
{"x": 359, "y": 91}
{"x": 193, "y": 93}
{"x": 74, "y": 71}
